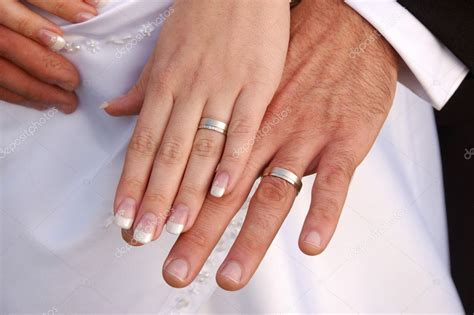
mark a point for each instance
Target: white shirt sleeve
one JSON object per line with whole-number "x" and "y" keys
{"x": 430, "y": 70}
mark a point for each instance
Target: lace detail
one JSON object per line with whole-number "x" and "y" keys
{"x": 191, "y": 298}
{"x": 75, "y": 43}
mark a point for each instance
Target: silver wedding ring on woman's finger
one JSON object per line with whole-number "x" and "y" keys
{"x": 287, "y": 176}
{"x": 214, "y": 125}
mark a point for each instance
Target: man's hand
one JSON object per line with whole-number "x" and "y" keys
{"x": 331, "y": 108}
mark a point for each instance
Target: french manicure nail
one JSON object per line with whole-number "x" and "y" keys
{"x": 83, "y": 16}
{"x": 97, "y": 3}
{"x": 125, "y": 213}
{"x": 104, "y": 105}
{"x": 146, "y": 228}
{"x": 178, "y": 268}
{"x": 232, "y": 271}
{"x": 219, "y": 185}
{"x": 54, "y": 41}
{"x": 177, "y": 220}
{"x": 313, "y": 238}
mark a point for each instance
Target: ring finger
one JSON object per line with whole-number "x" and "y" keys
{"x": 267, "y": 210}
{"x": 207, "y": 149}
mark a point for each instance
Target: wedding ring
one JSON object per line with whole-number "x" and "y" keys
{"x": 214, "y": 125}
{"x": 287, "y": 176}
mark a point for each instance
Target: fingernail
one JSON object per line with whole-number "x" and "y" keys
{"x": 146, "y": 228}
{"x": 177, "y": 220}
{"x": 313, "y": 238}
{"x": 125, "y": 213}
{"x": 66, "y": 86}
{"x": 104, "y": 105}
{"x": 232, "y": 271}
{"x": 219, "y": 185}
{"x": 97, "y": 3}
{"x": 83, "y": 16}
{"x": 54, "y": 41}
{"x": 178, "y": 268}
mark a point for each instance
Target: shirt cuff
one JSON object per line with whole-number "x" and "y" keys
{"x": 430, "y": 70}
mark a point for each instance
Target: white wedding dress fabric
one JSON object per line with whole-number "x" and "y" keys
{"x": 61, "y": 253}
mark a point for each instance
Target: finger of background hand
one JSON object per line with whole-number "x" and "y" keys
{"x": 169, "y": 165}
{"x": 205, "y": 155}
{"x": 96, "y": 3}
{"x": 268, "y": 209}
{"x": 37, "y": 60}
{"x": 22, "y": 20}
{"x": 132, "y": 102}
{"x": 192, "y": 248}
{"x": 19, "y": 82}
{"x": 75, "y": 11}
{"x": 10, "y": 97}
{"x": 334, "y": 172}
{"x": 247, "y": 116}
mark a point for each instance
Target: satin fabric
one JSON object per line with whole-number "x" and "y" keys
{"x": 61, "y": 253}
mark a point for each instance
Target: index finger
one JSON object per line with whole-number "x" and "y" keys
{"x": 37, "y": 60}
{"x": 20, "y": 19}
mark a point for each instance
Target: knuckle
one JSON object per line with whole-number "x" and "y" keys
{"x": 192, "y": 190}
{"x": 51, "y": 61}
{"x": 195, "y": 239}
{"x": 143, "y": 142}
{"x": 250, "y": 244}
{"x": 154, "y": 198}
{"x": 171, "y": 151}
{"x": 339, "y": 170}
{"x": 241, "y": 127}
{"x": 272, "y": 190}
{"x": 134, "y": 184}
{"x": 328, "y": 209}
{"x": 266, "y": 220}
{"x": 160, "y": 79}
{"x": 59, "y": 7}
{"x": 205, "y": 147}
{"x": 23, "y": 26}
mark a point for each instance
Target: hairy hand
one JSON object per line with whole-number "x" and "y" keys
{"x": 330, "y": 108}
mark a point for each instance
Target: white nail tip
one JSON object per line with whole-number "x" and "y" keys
{"x": 217, "y": 191}
{"x": 174, "y": 228}
{"x": 104, "y": 105}
{"x": 100, "y": 3}
{"x": 142, "y": 236}
{"x": 122, "y": 222}
{"x": 58, "y": 43}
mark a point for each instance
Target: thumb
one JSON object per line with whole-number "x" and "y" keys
{"x": 126, "y": 105}
{"x": 132, "y": 102}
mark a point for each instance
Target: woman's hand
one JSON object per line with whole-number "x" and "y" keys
{"x": 30, "y": 73}
{"x": 214, "y": 59}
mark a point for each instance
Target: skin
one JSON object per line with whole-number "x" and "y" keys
{"x": 217, "y": 59}
{"x": 336, "y": 107}
{"x": 33, "y": 75}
